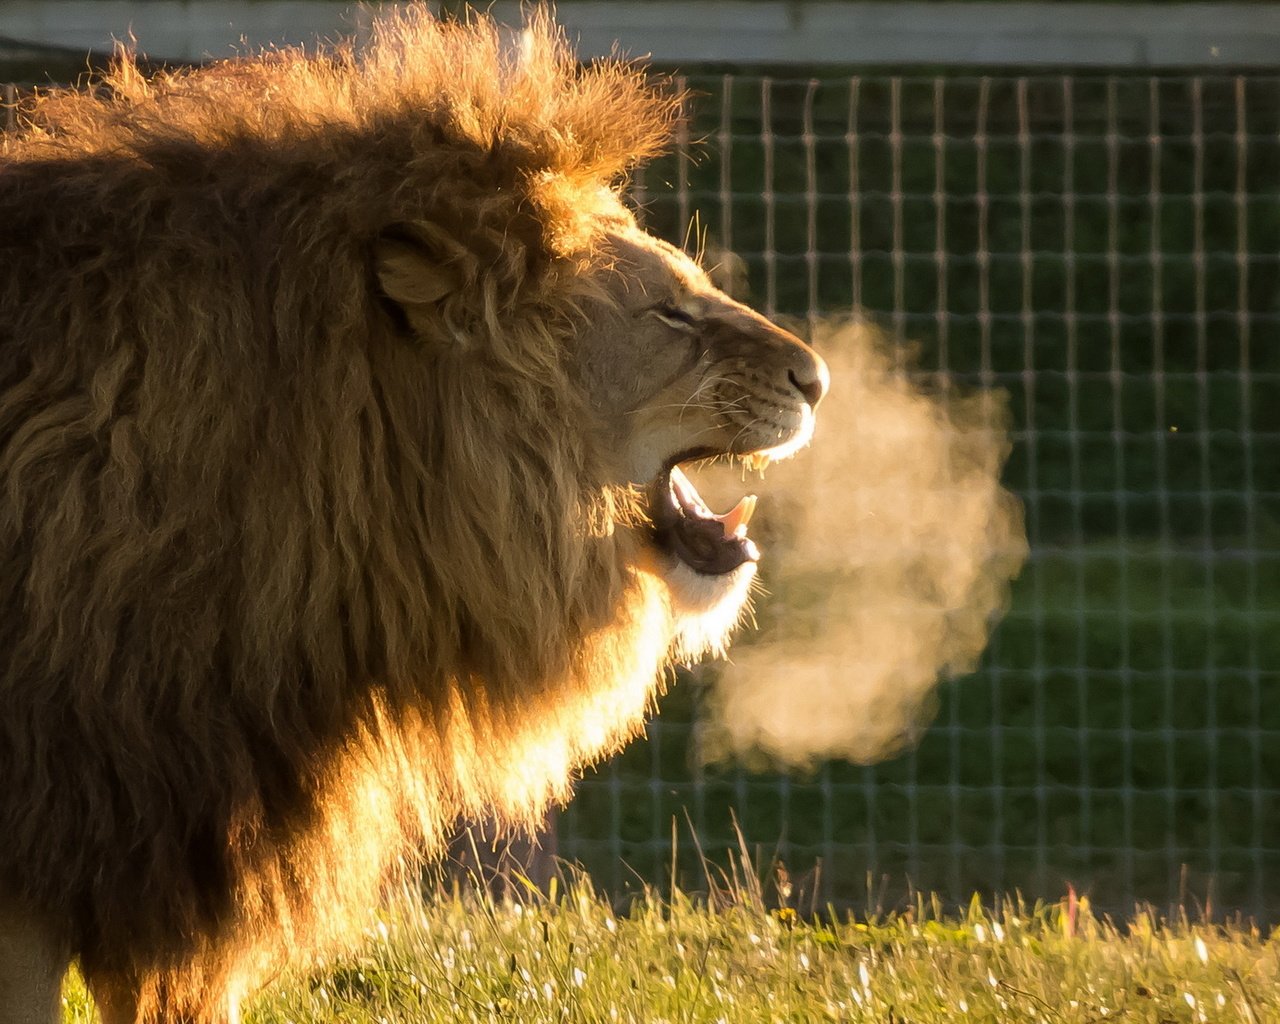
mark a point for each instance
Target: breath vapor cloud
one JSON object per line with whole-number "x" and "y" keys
{"x": 890, "y": 547}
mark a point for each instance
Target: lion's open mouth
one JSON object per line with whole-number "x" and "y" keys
{"x": 683, "y": 525}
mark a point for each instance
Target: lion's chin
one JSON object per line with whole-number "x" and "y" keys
{"x": 706, "y": 609}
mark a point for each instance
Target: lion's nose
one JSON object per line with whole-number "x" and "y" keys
{"x": 807, "y": 372}
{"x": 790, "y": 362}
{"x": 812, "y": 378}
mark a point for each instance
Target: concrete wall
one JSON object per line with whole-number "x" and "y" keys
{"x": 734, "y": 31}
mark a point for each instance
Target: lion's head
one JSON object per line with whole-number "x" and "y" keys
{"x": 673, "y": 371}
{"x": 342, "y": 405}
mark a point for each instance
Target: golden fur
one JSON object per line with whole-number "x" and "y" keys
{"x": 305, "y": 551}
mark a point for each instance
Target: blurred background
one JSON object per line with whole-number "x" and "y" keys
{"x": 1078, "y": 203}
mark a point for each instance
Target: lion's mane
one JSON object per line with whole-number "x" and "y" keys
{"x": 284, "y": 593}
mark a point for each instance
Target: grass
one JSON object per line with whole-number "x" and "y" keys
{"x": 571, "y": 956}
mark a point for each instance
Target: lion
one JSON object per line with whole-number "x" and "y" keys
{"x": 343, "y": 406}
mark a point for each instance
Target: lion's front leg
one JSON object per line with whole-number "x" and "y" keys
{"x": 32, "y": 965}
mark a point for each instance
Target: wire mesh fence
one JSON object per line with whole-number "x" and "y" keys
{"x": 1106, "y": 249}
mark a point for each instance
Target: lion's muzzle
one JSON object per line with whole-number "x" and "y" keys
{"x": 763, "y": 384}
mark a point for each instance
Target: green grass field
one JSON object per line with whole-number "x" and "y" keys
{"x": 571, "y": 957}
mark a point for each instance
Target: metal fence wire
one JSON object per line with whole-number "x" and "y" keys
{"x": 1106, "y": 249}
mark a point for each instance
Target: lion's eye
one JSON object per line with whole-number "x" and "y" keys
{"x": 673, "y": 316}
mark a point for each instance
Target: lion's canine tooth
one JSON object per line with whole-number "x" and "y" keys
{"x": 735, "y": 520}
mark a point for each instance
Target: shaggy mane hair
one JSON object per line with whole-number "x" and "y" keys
{"x": 278, "y": 582}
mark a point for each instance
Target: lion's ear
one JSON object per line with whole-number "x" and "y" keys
{"x": 410, "y": 275}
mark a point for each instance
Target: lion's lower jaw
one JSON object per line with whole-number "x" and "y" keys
{"x": 706, "y": 609}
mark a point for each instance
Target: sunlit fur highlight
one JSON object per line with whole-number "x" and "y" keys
{"x": 285, "y": 591}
